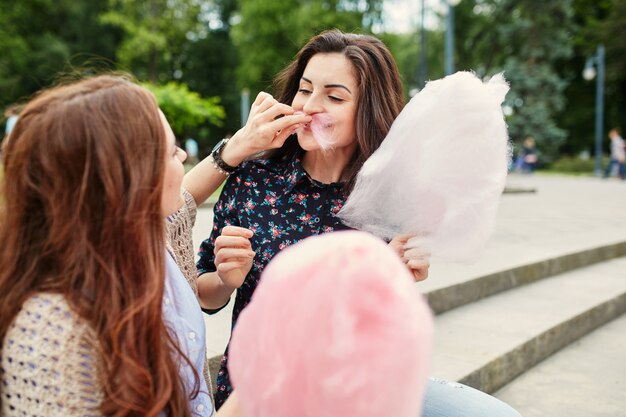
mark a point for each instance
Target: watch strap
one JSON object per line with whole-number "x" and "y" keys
{"x": 218, "y": 163}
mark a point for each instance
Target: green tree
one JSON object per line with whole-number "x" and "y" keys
{"x": 611, "y": 33}
{"x": 209, "y": 64}
{"x": 209, "y": 68}
{"x": 154, "y": 34}
{"x": 272, "y": 31}
{"x": 186, "y": 109}
{"x": 599, "y": 22}
{"x": 573, "y": 30}
{"x": 40, "y": 38}
{"x": 405, "y": 49}
{"x": 529, "y": 41}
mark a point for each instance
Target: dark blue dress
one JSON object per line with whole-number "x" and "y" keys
{"x": 282, "y": 204}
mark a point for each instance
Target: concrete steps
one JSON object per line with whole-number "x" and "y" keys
{"x": 463, "y": 292}
{"x": 488, "y": 343}
{"x": 585, "y": 379}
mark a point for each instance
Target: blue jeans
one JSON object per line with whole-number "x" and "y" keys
{"x": 609, "y": 168}
{"x": 451, "y": 399}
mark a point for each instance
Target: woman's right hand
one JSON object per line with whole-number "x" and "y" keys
{"x": 233, "y": 255}
{"x": 269, "y": 125}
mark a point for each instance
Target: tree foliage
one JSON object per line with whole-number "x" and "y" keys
{"x": 218, "y": 47}
{"x": 154, "y": 33}
{"x": 40, "y": 38}
{"x": 528, "y": 40}
{"x": 208, "y": 67}
{"x": 186, "y": 109}
{"x": 272, "y": 31}
{"x": 598, "y": 22}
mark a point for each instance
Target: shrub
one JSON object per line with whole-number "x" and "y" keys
{"x": 576, "y": 165}
{"x": 186, "y": 109}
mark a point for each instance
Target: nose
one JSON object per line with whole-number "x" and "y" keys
{"x": 313, "y": 104}
{"x": 182, "y": 155}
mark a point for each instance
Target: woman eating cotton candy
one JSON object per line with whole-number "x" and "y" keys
{"x": 439, "y": 173}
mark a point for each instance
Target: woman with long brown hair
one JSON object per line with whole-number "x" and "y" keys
{"x": 95, "y": 316}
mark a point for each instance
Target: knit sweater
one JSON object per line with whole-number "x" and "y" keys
{"x": 180, "y": 238}
{"x": 48, "y": 365}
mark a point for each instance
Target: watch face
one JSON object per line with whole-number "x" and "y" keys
{"x": 218, "y": 145}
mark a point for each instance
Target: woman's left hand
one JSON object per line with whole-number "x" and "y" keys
{"x": 416, "y": 259}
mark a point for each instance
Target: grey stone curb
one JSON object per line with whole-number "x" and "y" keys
{"x": 448, "y": 298}
{"x": 519, "y": 190}
{"x": 502, "y": 370}
{"x": 214, "y": 367}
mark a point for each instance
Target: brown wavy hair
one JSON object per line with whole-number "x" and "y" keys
{"x": 81, "y": 217}
{"x": 380, "y": 97}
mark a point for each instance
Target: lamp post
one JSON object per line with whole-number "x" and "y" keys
{"x": 245, "y": 106}
{"x": 449, "y": 45}
{"x": 423, "y": 64}
{"x": 588, "y": 74}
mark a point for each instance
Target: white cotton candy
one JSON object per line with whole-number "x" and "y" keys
{"x": 322, "y": 128}
{"x": 440, "y": 171}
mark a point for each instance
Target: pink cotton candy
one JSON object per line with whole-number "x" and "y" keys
{"x": 336, "y": 328}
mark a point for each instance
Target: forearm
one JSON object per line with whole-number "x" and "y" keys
{"x": 212, "y": 292}
{"x": 203, "y": 179}
{"x": 231, "y": 407}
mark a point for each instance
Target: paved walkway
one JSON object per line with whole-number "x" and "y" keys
{"x": 585, "y": 379}
{"x": 564, "y": 215}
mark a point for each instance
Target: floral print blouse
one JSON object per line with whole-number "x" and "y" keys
{"x": 282, "y": 205}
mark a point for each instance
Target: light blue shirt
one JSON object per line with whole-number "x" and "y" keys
{"x": 183, "y": 317}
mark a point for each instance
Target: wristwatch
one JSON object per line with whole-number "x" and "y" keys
{"x": 218, "y": 162}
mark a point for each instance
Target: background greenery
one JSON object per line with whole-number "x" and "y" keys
{"x": 197, "y": 55}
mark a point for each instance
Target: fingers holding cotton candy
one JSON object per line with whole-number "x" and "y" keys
{"x": 440, "y": 171}
{"x": 416, "y": 258}
{"x": 355, "y": 321}
{"x": 322, "y": 128}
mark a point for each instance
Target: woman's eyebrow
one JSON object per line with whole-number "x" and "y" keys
{"x": 330, "y": 85}
{"x": 338, "y": 86}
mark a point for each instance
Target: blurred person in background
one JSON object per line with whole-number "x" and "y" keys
{"x": 618, "y": 154}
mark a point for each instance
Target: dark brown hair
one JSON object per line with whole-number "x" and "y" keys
{"x": 81, "y": 217}
{"x": 380, "y": 97}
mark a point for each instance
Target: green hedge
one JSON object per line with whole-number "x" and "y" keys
{"x": 575, "y": 165}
